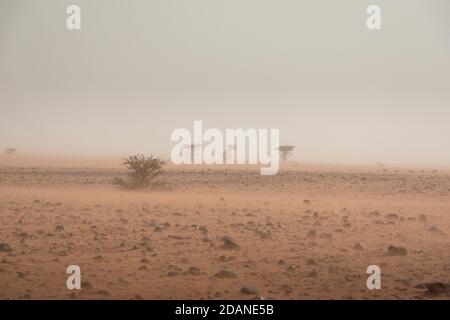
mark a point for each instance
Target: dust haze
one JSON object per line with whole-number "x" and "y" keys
{"x": 368, "y": 182}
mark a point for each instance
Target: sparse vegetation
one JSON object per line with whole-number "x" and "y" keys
{"x": 142, "y": 172}
{"x": 286, "y": 152}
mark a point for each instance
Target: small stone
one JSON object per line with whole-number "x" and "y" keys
{"x": 312, "y": 233}
{"x": 292, "y": 268}
{"x": 86, "y": 285}
{"x": 358, "y": 246}
{"x": 311, "y": 262}
{"x": 224, "y": 274}
{"x": 312, "y": 274}
{"x": 396, "y": 251}
{"x": 437, "y": 288}
{"x": 374, "y": 213}
{"x": 5, "y": 247}
{"x": 194, "y": 271}
{"x": 249, "y": 291}
{"x": 392, "y": 216}
{"x": 287, "y": 289}
{"x": 229, "y": 244}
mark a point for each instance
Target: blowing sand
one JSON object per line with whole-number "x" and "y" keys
{"x": 308, "y": 233}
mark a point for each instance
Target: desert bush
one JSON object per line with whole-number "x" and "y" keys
{"x": 142, "y": 172}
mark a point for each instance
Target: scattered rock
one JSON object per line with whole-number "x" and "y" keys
{"x": 374, "y": 213}
{"x": 224, "y": 274}
{"x": 435, "y": 288}
{"x": 292, "y": 268}
{"x": 358, "y": 246}
{"x": 194, "y": 271}
{"x": 249, "y": 291}
{"x": 312, "y": 274}
{"x": 229, "y": 244}
{"x": 224, "y": 258}
{"x": 203, "y": 229}
{"x": 86, "y": 285}
{"x": 287, "y": 289}
{"x": 396, "y": 251}
{"x": 312, "y": 233}
{"x": 311, "y": 262}
{"x": 392, "y": 216}
{"x": 103, "y": 293}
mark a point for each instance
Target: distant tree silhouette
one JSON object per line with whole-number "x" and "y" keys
{"x": 10, "y": 151}
{"x": 286, "y": 152}
{"x": 192, "y": 147}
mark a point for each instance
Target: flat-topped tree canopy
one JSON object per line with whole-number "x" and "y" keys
{"x": 286, "y": 151}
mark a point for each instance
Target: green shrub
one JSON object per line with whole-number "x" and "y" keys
{"x": 142, "y": 172}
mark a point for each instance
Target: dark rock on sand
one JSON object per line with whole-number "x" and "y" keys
{"x": 396, "y": 251}
{"x": 229, "y": 244}
{"x": 249, "y": 291}
{"x": 435, "y": 288}
{"x": 5, "y": 247}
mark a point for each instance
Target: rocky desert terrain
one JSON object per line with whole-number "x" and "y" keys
{"x": 309, "y": 232}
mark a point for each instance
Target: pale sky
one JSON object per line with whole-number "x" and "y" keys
{"x": 137, "y": 70}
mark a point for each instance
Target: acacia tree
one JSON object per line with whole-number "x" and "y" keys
{"x": 286, "y": 152}
{"x": 142, "y": 171}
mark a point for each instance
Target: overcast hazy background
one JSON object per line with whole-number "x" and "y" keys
{"x": 139, "y": 69}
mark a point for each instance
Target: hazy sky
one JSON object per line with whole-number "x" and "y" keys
{"x": 137, "y": 70}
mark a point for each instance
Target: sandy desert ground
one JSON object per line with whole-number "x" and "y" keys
{"x": 308, "y": 233}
